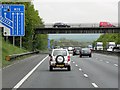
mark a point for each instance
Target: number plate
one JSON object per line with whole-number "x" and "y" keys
{"x": 60, "y": 65}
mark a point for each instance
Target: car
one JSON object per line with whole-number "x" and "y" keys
{"x": 85, "y": 52}
{"x": 60, "y": 25}
{"x": 116, "y": 49}
{"x": 76, "y": 51}
{"x": 59, "y": 58}
{"x": 70, "y": 49}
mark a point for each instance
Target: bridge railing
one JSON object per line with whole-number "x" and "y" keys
{"x": 78, "y": 25}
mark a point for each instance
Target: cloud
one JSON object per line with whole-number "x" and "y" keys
{"x": 77, "y": 11}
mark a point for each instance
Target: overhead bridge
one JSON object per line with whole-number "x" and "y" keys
{"x": 74, "y": 30}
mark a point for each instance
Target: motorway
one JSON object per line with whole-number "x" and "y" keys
{"x": 100, "y": 71}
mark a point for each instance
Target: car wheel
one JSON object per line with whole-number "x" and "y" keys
{"x": 80, "y": 56}
{"x": 51, "y": 68}
{"x": 69, "y": 68}
{"x": 90, "y": 55}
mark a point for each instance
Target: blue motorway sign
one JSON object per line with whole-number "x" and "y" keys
{"x": 12, "y": 17}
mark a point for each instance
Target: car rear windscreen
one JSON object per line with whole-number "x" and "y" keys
{"x": 60, "y": 52}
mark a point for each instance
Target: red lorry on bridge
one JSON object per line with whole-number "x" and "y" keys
{"x": 105, "y": 24}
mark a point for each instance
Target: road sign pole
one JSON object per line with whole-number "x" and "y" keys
{"x": 13, "y": 41}
{"x": 20, "y": 42}
{"x": 7, "y": 39}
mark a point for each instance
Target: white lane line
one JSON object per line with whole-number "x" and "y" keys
{"x": 94, "y": 85}
{"x": 107, "y": 62}
{"x": 85, "y": 75}
{"x": 80, "y": 69}
{"x": 116, "y": 65}
{"x": 28, "y": 75}
{"x": 73, "y": 62}
{"x": 8, "y": 66}
{"x": 76, "y": 65}
{"x": 13, "y": 64}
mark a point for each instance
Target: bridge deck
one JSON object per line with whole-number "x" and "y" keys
{"x": 76, "y": 30}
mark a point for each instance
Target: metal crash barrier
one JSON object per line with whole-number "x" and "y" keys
{"x": 10, "y": 57}
{"x": 107, "y": 52}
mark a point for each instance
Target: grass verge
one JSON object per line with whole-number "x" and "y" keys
{"x": 9, "y": 49}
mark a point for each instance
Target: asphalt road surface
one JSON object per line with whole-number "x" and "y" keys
{"x": 100, "y": 71}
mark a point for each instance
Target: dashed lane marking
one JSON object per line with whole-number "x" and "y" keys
{"x": 116, "y": 65}
{"x": 85, "y": 75}
{"x": 107, "y": 62}
{"x": 94, "y": 85}
{"x": 80, "y": 69}
{"x": 76, "y": 65}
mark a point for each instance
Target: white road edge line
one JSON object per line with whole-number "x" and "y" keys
{"x": 80, "y": 69}
{"x": 28, "y": 75}
{"x": 94, "y": 85}
{"x": 85, "y": 75}
{"x": 116, "y": 65}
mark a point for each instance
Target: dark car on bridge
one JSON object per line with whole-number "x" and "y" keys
{"x": 60, "y": 25}
{"x": 76, "y": 51}
{"x": 85, "y": 52}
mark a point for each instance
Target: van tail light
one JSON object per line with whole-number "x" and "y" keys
{"x": 68, "y": 58}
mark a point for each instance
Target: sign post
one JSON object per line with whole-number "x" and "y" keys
{"x": 13, "y": 41}
{"x": 20, "y": 42}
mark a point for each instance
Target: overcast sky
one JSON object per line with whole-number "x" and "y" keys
{"x": 77, "y": 11}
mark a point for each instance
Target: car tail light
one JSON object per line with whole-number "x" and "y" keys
{"x": 68, "y": 58}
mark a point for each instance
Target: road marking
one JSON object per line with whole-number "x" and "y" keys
{"x": 30, "y": 73}
{"x": 85, "y": 75}
{"x": 116, "y": 65}
{"x": 107, "y": 62}
{"x": 76, "y": 65}
{"x": 94, "y": 85}
{"x": 13, "y": 64}
{"x": 8, "y": 66}
{"x": 73, "y": 62}
{"x": 80, "y": 69}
